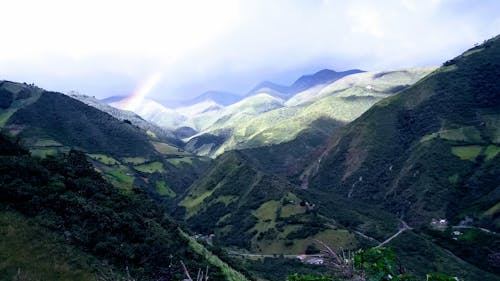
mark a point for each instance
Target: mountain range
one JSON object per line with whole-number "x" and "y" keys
{"x": 273, "y": 114}
{"x": 407, "y": 159}
{"x": 421, "y": 163}
{"x": 322, "y": 77}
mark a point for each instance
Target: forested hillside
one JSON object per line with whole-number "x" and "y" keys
{"x": 102, "y": 230}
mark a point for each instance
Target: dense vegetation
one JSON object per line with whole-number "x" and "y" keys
{"x": 67, "y": 196}
{"x": 78, "y": 125}
{"x": 127, "y": 153}
{"x": 374, "y": 264}
{"x": 232, "y": 190}
{"x": 427, "y": 154}
{"x": 423, "y": 153}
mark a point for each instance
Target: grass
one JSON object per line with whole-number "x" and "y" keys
{"x": 150, "y": 167}
{"x": 267, "y": 211}
{"x": 267, "y": 219}
{"x": 491, "y": 151}
{"x": 464, "y": 134}
{"x": 104, "y": 159}
{"x": 165, "y": 148}
{"x": 229, "y": 273}
{"x": 192, "y": 201}
{"x": 5, "y": 114}
{"x": 493, "y": 210}
{"x": 466, "y": 152}
{"x": 134, "y": 160}
{"x": 226, "y": 199}
{"x": 291, "y": 197}
{"x": 151, "y": 134}
{"x": 266, "y": 214}
{"x": 179, "y": 161}
{"x": 47, "y": 142}
{"x": 163, "y": 189}
{"x": 468, "y": 53}
{"x": 119, "y": 176}
{"x": 448, "y": 68}
{"x": 43, "y": 152}
{"x": 335, "y": 238}
{"x": 39, "y": 254}
{"x": 292, "y": 209}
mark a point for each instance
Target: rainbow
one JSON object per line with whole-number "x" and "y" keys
{"x": 135, "y": 99}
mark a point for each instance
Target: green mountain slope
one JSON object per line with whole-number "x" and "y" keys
{"x": 68, "y": 121}
{"x": 235, "y": 113}
{"x": 28, "y": 250}
{"x": 429, "y": 154}
{"x": 89, "y": 220}
{"x": 426, "y": 157}
{"x": 255, "y": 211}
{"x": 127, "y": 152}
{"x": 342, "y": 101}
{"x": 433, "y": 145}
{"x": 122, "y": 115}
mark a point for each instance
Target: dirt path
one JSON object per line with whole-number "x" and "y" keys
{"x": 270, "y": 255}
{"x": 367, "y": 237}
{"x": 470, "y": 227}
{"x": 403, "y": 228}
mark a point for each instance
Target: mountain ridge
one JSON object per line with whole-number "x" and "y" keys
{"x": 126, "y": 151}
{"x": 342, "y": 101}
{"x": 426, "y": 155}
{"x": 324, "y": 76}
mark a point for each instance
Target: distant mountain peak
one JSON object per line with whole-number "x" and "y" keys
{"x": 219, "y": 97}
{"x": 323, "y": 76}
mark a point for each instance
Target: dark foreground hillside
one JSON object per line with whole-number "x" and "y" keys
{"x": 87, "y": 227}
{"x": 128, "y": 153}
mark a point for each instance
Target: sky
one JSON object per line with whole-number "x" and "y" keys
{"x": 106, "y": 48}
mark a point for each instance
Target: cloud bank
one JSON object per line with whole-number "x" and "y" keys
{"x": 105, "y": 48}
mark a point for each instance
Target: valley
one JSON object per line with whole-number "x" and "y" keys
{"x": 407, "y": 160}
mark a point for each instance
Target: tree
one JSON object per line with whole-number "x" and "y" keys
{"x": 374, "y": 264}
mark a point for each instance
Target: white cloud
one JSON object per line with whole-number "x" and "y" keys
{"x": 366, "y": 21}
{"x": 109, "y": 47}
{"x": 83, "y": 28}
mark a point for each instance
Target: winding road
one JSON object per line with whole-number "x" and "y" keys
{"x": 270, "y": 255}
{"x": 403, "y": 228}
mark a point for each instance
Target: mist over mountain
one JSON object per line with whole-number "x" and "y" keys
{"x": 211, "y": 104}
{"x": 219, "y": 97}
{"x": 263, "y": 119}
